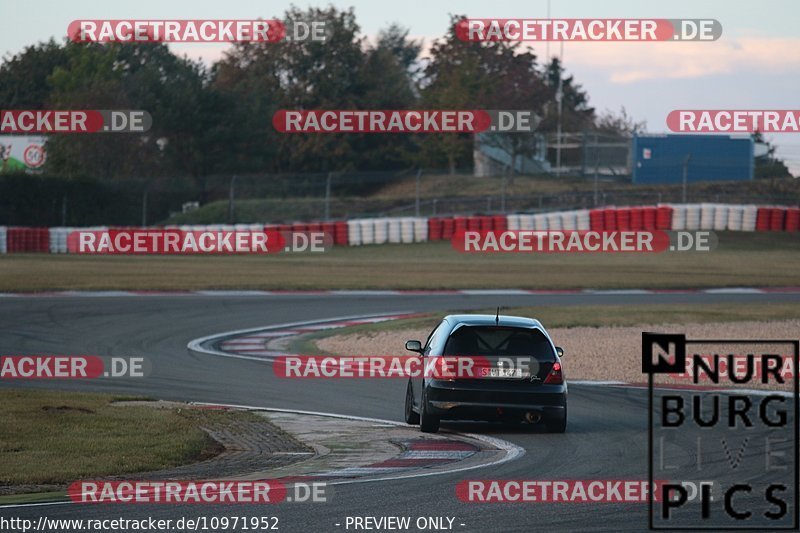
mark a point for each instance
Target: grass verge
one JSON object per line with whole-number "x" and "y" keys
{"x": 742, "y": 259}
{"x": 49, "y": 439}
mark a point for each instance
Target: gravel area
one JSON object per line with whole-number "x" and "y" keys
{"x": 605, "y": 353}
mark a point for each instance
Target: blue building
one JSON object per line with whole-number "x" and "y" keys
{"x": 661, "y": 158}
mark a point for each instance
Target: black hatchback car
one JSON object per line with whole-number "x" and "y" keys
{"x": 520, "y": 378}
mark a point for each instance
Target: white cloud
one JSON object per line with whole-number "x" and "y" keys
{"x": 632, "y": 62}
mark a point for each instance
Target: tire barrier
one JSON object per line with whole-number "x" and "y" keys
{"x": 340, "y": 233}
{"x": 448, "y": 229}
{"x": 381, "y": 231}
{"x": 24, "y": 239}
{"x": 354, "y": 232}
{"x": 694, "y": 217}
{"x": 368, "y": 231}
{"x": 793, "y": 219}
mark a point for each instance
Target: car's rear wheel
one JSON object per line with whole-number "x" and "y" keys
{"x": 427, "y": 422}
{"x": 412, "y": 417}
{"x": 556, "y": 424}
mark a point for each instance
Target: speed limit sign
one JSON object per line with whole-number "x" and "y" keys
{"x": 34, "y": 156}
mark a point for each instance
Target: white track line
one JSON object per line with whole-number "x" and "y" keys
{"x": 195, "y": 345}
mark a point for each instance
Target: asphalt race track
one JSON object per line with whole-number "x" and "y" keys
{"x": 606, "y": 437}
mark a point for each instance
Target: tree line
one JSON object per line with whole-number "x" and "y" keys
{"x": 216, "y": 119}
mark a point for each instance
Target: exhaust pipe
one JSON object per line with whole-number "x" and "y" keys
{"x": 532, "y": 418}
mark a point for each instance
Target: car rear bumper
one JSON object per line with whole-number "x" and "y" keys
{"x": 482, "y": 400}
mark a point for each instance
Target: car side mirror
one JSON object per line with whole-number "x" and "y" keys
{"x": 560, "y": 351}
{"x": 414, "y": 346}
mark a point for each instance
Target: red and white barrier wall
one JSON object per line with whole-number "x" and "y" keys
{"x": 401, "y": 230}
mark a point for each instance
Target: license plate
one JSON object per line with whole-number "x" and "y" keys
{"x": 501, "y": 373}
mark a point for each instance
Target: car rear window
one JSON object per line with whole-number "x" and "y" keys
{"x": 498, "y": 340}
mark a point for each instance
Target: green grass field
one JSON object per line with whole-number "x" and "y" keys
{"x": 53, "y": 438}
{"x": 742, "y": 259}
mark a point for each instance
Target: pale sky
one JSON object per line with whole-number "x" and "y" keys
{"x": 755, "y": 65}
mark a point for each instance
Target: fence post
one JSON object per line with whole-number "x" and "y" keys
{"x": 416, "y": 193}
{"x": 328, "y": 196}
{"x": 503, "y": 194}
{"x": 64, "y": 210}
{"x": 232, "y": 202}
{"x": 596, "y": 168}
{"x": 685, "y": 174}
{"x": 144, "y": 206}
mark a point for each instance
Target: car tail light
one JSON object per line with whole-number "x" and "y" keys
{"x": 443, "y": 371}
{"x": 556, "y": 376}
